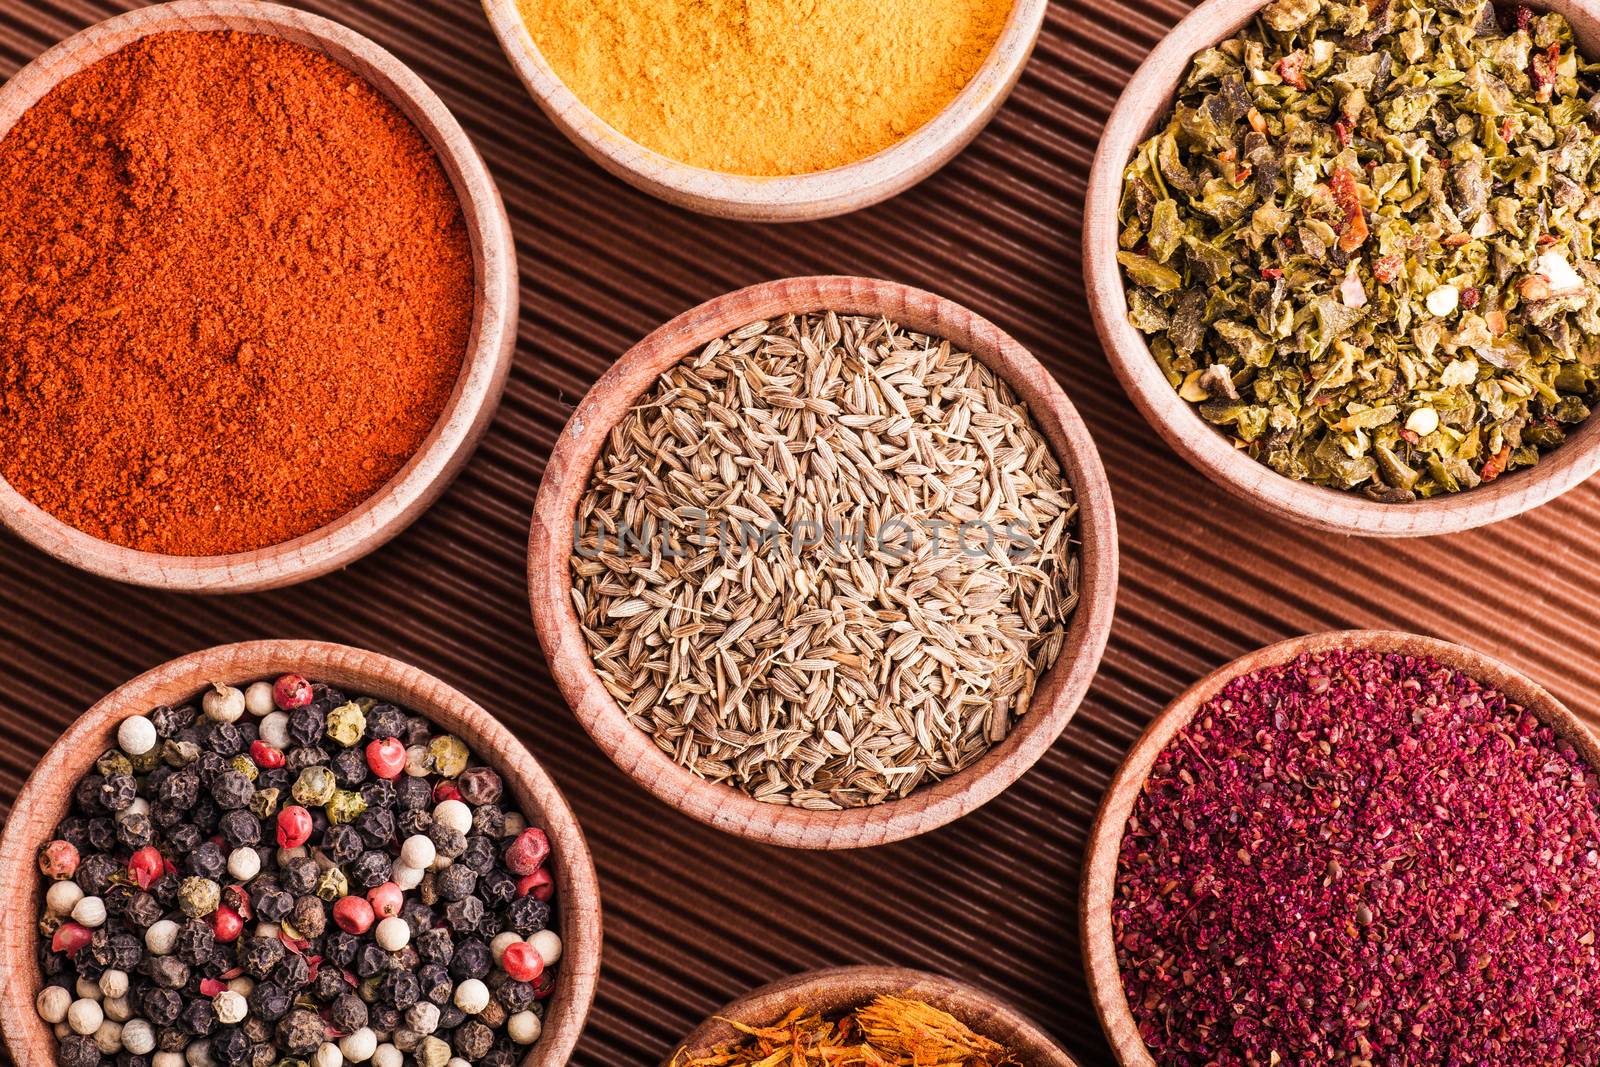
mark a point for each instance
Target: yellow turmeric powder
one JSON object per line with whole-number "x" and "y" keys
{"x": 766, "y": 87}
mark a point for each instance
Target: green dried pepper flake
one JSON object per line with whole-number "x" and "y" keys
{"x": 1364, "y": 243}
{"x": 345, "y": 806}
{"x": 346, "y": 723}
{"x": 199, "y": 897}
{"x": 333, "y": 884}
{"x": 245, "y": 766}
{"x": 314, "y": 787}
{"x": 450, "y": 755}
{"x": 264, "y": 803}
{"x": 114, "y": 764}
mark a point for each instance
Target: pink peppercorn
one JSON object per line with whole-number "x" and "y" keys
{"x": 387, "y": 757}
{"x": 146, "y": 866}
{"x": 226, "y": 924}
{"x": 58, "y": 860}
{"x": 386, "y": 900}
{"x": 210, "y": 987}
{"x": 522, "y": 962}
{"x": 294, "y": 826}
{"x": 528, "y": 851}
{"x": 291, "y": 691}
{"x": 70, "y": 937}
{"x": 265, "y": 756}
{"x": 544, "y": 985}
{"x": 446, "y": 790}
{"x": 539, "y": 884}
{"x": 354, "y": 915}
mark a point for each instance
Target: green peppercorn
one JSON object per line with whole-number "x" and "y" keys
{"x": 245, "y": 766}
{"x": 264, "y": 803}
{"x": 146, "y": 761}
{"x": 315, "y": 786}
{"x": 333, "y": 884}
{"x": 113, "y": 764}
{"x": 345, "y": 806}
{"x": 199, "y": 897}
{"x": 179, "y": 753}
{"x": 450, "y": 755}
{"x": 347, "y": 723}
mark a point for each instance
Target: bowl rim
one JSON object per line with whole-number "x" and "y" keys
{"x": 486, "y": 361}
{"x": 787, "y": 198}
{"x": 567, "y": 474}
{"x": 832, "y": 988}
{"x": 1147, "y": 97}
{"x": 34, "y": 815}
{"x": 1105, "y": 836}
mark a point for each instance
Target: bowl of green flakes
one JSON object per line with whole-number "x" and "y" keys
{"x": 1342, "y": 255}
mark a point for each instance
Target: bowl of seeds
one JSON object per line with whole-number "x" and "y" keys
{"x": 1353, "y": 847}
{"x": 1341, "y": 256}
{"x": 881, "y": 1015}
{"x": 827, "y": 562}
{"x": 757, "y": 111}
{"x": 294, "y": 852}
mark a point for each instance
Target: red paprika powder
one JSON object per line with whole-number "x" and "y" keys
{"x": 236, "y": 288}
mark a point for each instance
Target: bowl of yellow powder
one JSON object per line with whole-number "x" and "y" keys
{"x": 769, "y": 110}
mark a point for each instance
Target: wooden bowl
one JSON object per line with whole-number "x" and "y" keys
{"x": 1143, "y": 104}
{"x": 47, "y": 794}
{"x": 724, "y": 806}
{"x": 1105, "y": 839}
{"x": 777, "y": 199}
{"x": 847, "y": 988}
{"x": 487, "y": 361}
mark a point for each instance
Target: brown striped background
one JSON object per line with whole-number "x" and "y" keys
{"x": 694, "y": 917}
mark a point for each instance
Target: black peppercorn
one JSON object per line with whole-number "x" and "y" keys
{"x": 102, "y": 834}
{"x": 207, "y": 861}
{"x": 165, "y": 816}
{"x": 479, "y": 785}
{"x": 414, "y": 822}
{"x": 449, "y": 841}
{"x": 456, "y": 882}
{"x": 383, "y": 721}
{"x": 74, "y": 829}
{"x": 169, "y": 972}
{"x": 342, "y": 843}
{"x": 210, "y": 766}
{"x": 78, "y": 1051}
{"x": 196, "y": 942}
{"x": 399, "y": 989}
{"x": 118, "y": 792}
{"x": 377, "y": 827}
{"x": 412, "y": 793}
{"x": 473, "y": 1041}
{"x": 197, "y": 1017}
{"x": 116, "y": 898}
{"x": 371, "y": 869}
{"x": 347, "y": 1013}
{"x": 435, "y": 946}
{"x": 371, "y": 960}
{"x": 489, "y": 821}
{"x": 328, "y": 984}
{"x": 205, "y": 815}
{"x": 465, "y": 915}
{"x": 340, "y": 948}
{"x": 434, "y": 982}
{"x": 527, "y": 915}
{"x": 169, "y": 720}
{"x": 497, "y": 887}
{"x": 269, "y": 1001}
{"x": 259, "y": 955}
{"x": 161, "y": 1006}
{"x": 143, "y": 910}
{"x": 180, "y": 790}
{"x": 86, "y": 794}
{"x": 225, "y": 739}
{"x": 301, "y": 1032}
{"x": 378, "y": 794}
{"x": 383, "y": 1017}
{"x": 184, "y": 839}
{"x": 172, "y": 1039}
{"x": 130, "y": 1059}
{"x": 257, "y": 1030}
{"x": 349, "y": 767}
{"x": 273, "y": 904}
{"x": 472, "y": 959}
{"x": 241, "y": 829}
{"x": 292, "y": 972}
{"x": 298, "y": 759}
{"x": 300, "y": 876}
{"x": 230, "y": 1047}
{"x": 513, "y": 994}
{"x": 165, "y": 890}
{"x": 307, "y": 724}
{"x": 232, "y": 790}
{"x": 126, "y": 950}
{"x": 310, "y": 916}
{"x": 134, "y": 831}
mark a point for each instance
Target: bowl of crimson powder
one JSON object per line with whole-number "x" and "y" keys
{"x": 1351, "y": 848}
{"x": 288, "y": 852}
{"x": 258, "y": 297}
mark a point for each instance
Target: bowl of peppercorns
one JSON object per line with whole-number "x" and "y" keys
{"x": 294, "y": 854}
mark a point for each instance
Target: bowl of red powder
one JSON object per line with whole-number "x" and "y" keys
{"x": 1357, "y": 847}
{"x": 258, "y": 297}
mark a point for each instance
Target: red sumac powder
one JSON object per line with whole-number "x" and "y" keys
{"x": 235, "y": 293}
{"x": 1360, "y": 858}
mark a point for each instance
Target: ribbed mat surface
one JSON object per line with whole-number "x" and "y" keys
{"x": 695, "y": 917}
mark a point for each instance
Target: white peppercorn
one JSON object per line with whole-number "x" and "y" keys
{"x": 359, "y": 1045}
{"x": 393, "y": 934}
{"x": 198, "y": 1054}
{"x": 62, "y": 897}
{"x": 423, "y": 1017}
{"x": 274, "y": 730}
{"x": 230, "y": 1007}
{"x": 327, "y": 1055}
{"x": 52, "y": 1003}
{"x": 90, "y": 912}
{"x": 161, "y": 937}
{"x": 114, "y": 983}
{"x": 138, "y": 1037}
{"x": 417, "y": 851}
{"x": 108, "y": 1038}
{"x": 85, "y": 1016}
{"x": 514, "y": 825}
{"x": 223, "y": 703}
{"x": 472, "y": 996}
{"x": 524, "y": 1027}
{"x": 387, "y": 1055}
{"x": 258, "y": 699}
{"x": 167, "y": 1059}
{"x": 454, "y": 814}
{"x": 244, "y": 863}
{"x": 136, "y": 735}
{"x": 502, "y": 941}
{"x": 547, "y": 943}
{"x": 405, "y": 876}
{"x": 87, "y": 989}
{"x": 117, "y": 1009}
